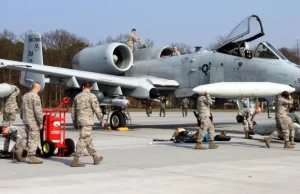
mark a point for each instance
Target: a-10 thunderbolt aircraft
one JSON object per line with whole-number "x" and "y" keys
{"x": 149, "y": 73}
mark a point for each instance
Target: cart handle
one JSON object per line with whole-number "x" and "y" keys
{"x": 65, "y": 101}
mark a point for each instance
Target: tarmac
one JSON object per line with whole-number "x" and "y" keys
{"x": 133, "y": 164}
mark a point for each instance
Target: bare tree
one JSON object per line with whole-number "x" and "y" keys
{"x": 183, "y": 48}
{"x": 120, "y": 38}
{"x": 219, "y": 41}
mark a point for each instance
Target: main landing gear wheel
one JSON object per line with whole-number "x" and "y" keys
{"x": 48, "y": 148}
{"x": 117, "y": 120}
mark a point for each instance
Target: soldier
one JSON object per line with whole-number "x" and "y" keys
{"x": 32, "y": 116}
{"x": 203, "y": 104}
{"x": 17, "y": 135}
{"x": 10, "y": 107}
{"x": 132, "y": 39}
{"x": 296, "y": 121}
{"x": 284, "y": 123}
{"x": 162, "y": 107}
{"x": 147, "y": 105}
{"x": 175, "y": 51}
{"x": 249, "y": 114}
{"x": 184, "y": 107}
{"x": 84, "y": 106}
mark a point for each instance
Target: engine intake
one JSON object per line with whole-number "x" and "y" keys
{"x": 151, "y": 53}
{"x": 113, "y": 59}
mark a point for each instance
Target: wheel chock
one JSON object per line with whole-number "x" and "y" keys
{"x": 122, "y": 129}
{"x": 108, "y": 128}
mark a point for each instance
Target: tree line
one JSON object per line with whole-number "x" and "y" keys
{"x": 60, "y": 46}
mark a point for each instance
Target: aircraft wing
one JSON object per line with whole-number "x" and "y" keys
{"x": 139, "y": 87}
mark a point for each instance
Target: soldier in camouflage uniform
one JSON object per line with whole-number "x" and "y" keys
{"x": 296, "y": 123}
{"x": 132, "y": 39}
{"x": 32, "y": 116}
{"x": 147, "y": 105}
{"x": 249, "y": 114}
{"x": 284, "y": 123}
{"x": 184, "y": 107}
{"x": 10, "y": 107}
{"x": 203, "y": 104}
{"x": 84, "y": 106}
{"x": 162, "y": 107}
{"x": 17, "y": 135}
{"x": 175, "y": 52}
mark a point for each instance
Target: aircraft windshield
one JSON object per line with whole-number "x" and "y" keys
{"x": 267, "y": 51}
{"x": 247, "y": 30}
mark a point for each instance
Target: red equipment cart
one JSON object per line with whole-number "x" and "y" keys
{"x": 53, "y": 134}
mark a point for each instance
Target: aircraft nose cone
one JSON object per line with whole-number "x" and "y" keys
{"x": 154, "y": 93}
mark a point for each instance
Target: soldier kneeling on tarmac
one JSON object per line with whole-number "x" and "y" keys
{"x": 246, "y": 116}
{"x": 17, "y": 135}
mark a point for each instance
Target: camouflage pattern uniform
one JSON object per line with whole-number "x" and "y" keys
{"x": 284, "y": 123}
{"x": 131, "y": 40}
{"x": 19, "y": 136}
{"x": 84, "y": 106}
{"x": 147, "y": 105}
{"x": 203, "y": 104}
{"x": 10, "y": 107}
{"x": 296, "y": 121}
{"x": 248, "y": 114}
{"x": 162, "y": 107}
{"x": 32, "y": 115}
{"x": 177, "y": 53}
{"x": 184, "y": 107}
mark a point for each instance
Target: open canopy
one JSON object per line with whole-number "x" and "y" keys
{"x": 249, "y": 29}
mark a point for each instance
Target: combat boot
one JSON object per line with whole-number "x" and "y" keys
{"x": 76, "y": 163}
{"x": 198, "y": 146}
{"x": 287, "y": 144}
{"x": 247, "y": 136}
{"x": 293, "y": 141}
{"x": 268, "y": 141}
{"x": 97, "y": 159}
{"x": 34, "y": 160}
{"x": 212, "y": 145}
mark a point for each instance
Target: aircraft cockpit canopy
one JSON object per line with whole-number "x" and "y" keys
{"x": 267, "y": 51}
{"x": 237, "y": 42}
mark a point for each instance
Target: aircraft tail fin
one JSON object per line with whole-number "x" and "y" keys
{"x": 33, "y": 54}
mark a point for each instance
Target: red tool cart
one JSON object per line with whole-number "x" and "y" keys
{"x": 53, "y": 134}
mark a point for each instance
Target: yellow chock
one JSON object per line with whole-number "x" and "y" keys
{"x": 122, "y": 129}
{"x": 108, "y": 128}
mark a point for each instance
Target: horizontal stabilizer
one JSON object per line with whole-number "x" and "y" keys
{"x": 243, "y": 89}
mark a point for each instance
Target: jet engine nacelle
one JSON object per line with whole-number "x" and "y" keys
{"x": 113, "y": 59}
{"x": 151, "y": 53}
